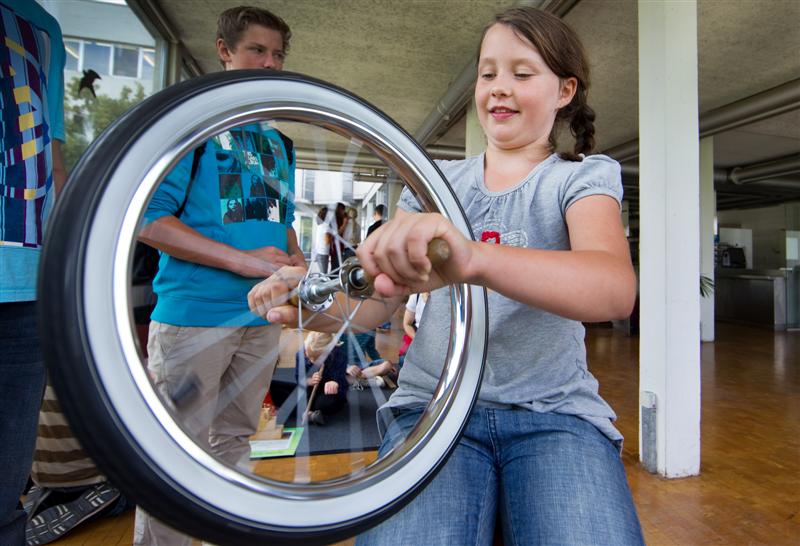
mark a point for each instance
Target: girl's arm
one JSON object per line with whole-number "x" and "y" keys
{"x": 594, "y": 281}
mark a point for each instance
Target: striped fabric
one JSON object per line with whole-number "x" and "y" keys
{"x": 59, "y": 460}
{"x": 25, "y": 134}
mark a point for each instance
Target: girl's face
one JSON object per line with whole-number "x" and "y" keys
{"x": 517, "y": 95}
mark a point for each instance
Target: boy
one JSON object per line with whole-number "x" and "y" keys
{"x": 201, "y": 329}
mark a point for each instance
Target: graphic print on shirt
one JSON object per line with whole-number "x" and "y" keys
{"x": 25, "y": 156}
{"x": 494, "y": 231}
{"x": 250, "y": 176}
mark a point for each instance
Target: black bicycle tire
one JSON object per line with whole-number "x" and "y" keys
{"x": 89, "y": 411}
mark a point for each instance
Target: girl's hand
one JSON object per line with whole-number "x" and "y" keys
{"x": 331, "y": 388}
{"x": 396, "y": 254}
{"x": 270, "y": 297}
{"x": 314, "y": 379}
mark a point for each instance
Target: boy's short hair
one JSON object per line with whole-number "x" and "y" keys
{"x": 380, "y": 209}
{"x": 232, "y": 23}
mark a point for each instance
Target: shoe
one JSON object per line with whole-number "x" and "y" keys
{"x": 34, "y": 498}
{"x": 315, "y": 417}
{"x": 52, "y": 523}
{"x": 376, "y": 381}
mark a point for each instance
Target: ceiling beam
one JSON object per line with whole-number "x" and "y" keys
{"x": 761, "y": 171}
{"x": 767, "y": 104}
{"x": 775, "y": 173}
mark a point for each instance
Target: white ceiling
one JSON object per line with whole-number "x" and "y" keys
{"x": 403, "y": 55}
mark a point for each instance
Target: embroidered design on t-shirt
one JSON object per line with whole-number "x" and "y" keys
{"x": 494, "y": 231}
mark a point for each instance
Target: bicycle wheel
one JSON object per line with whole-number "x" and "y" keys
{"x": 97, "y": 364}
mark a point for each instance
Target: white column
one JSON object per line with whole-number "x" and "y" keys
{"x": 669, "y": 370}
{"x": 708, "y": 210}
{"x": 475, "y": 141}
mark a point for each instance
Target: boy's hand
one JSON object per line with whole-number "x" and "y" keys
{"x": 270, "y": 297}
{"x": 297, "y": 260}
{"x": 331, "y": 388}
{"x": 268, "y": 259}
{"x": 396, "y": 254}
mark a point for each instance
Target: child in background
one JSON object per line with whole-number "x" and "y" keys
{"x": 539, "y": 449}
{"x": 325, "y": 366}
{"x": 411, "y": 319}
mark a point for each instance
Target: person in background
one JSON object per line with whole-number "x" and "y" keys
{"x": 324, "y": 364}
{"x": 324, "y": 232}
{"x": 352, "y": 233}
{"x": 377, "y": 219}
{"x": 412, "y": 315}
{"x": 338, "y": 245}
{"x": 31, "y": 176}
{"x": 212, "y": 252}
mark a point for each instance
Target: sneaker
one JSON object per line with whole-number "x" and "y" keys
{"x": 315, "y": 418}
{"x": 35, "y": 497}
{"x": 52, "y": 523}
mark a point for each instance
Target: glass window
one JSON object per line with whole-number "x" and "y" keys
{"x": 308, "y": 186}
{"x": 130, "y": 71}
{"x": 96, "y": 57}
{"x": 347, "y": 187}
{"x": 126, "y": 61}
{"x": 306, "y": 227}
{"x": 148, "y": 57}
{"x": 73, "y": 48}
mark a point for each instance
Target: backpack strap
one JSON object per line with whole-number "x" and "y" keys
{"x": 289, "y": 145}
{"x": 198, "y": 153}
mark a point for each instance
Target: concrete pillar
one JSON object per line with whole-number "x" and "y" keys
{"x": 173, "y": 68}
{"x": 475, "y": 137}
{"x": 708, "y": 210}
{"x": 669, "y": 370}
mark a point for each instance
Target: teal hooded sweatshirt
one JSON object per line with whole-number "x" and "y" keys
{"x": 243, "y": 196}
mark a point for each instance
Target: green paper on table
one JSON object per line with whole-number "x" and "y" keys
{"x": 283, "y": 447}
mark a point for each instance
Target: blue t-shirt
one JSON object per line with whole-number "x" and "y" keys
{"x": 242, "y": 196}
{"x": 32, "y": 106}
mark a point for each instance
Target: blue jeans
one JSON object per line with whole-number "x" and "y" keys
{"x": 22, "y": 380}
{"x": 551, "y": 478}
{"x": 365, "y": 340}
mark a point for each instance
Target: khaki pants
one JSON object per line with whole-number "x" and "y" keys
{"x": 230, "y": 370}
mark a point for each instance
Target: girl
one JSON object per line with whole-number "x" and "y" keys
{"x": 539, "y": 449}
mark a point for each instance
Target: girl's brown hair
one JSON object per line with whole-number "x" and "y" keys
{"x": 563, "y": 52}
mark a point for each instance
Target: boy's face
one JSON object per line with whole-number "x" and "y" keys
{"x": 259, "y": 47}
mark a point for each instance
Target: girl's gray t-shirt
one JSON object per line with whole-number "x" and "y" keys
{"x": 535, "y": 360}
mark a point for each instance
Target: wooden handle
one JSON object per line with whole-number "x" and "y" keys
{"x": 438, "y": 253}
